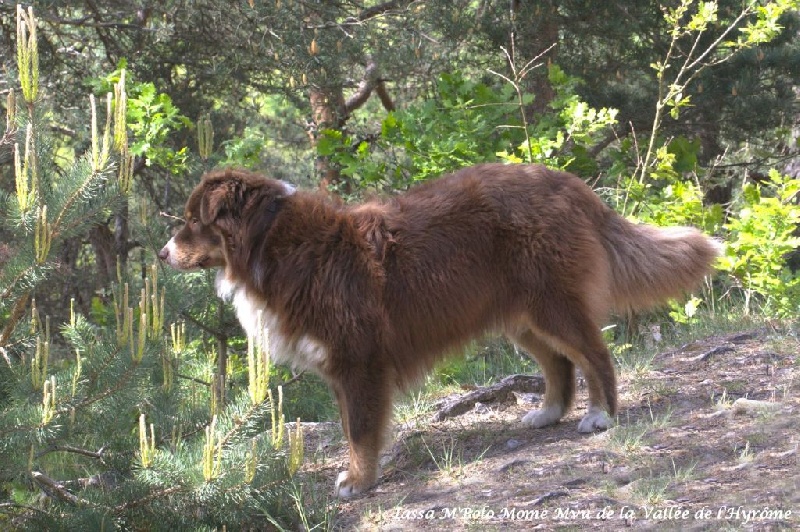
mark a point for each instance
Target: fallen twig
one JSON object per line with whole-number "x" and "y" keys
{"x": 495, "y": 393}
{"x": 708, "y": 354}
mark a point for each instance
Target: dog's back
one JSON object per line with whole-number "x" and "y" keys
{"x": 489, "y": 246}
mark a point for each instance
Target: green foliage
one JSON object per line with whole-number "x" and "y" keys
{"x": 719, "y": 71}
{"x": 151, "y": 118}
{"x": 689, "y": 22}
{"x": 85, "y": 434}
{"x": 484, "y": 364}
{"x": 272, "y": 141}
{"x": 564, "y": 137}
{"x": 469, "y": 122}
{"x": 671, "y": 196}
{"x": 465, "y": 123}
{"x": 113, "y": 422}
{"x": 685, "y": 313}
{"x": 679, "y": 202}
{"x": 760, "y": 232}
{"x": 246, "y": 150}
{"x": 765, "y": 25}
{"x": 761, "y": 227}
{"x": 763, "y": 230}
{"x": 52, "y": 204}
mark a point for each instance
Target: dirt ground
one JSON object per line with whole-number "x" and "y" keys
{"x": 684, "y": 455}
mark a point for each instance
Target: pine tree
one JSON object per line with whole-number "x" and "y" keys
{"x": 111, "y": 421}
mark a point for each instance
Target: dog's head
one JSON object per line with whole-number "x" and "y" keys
{"x": 220, "y": 210}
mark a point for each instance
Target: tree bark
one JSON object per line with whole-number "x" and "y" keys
{"x": 534, "y": 30}
{"x": 222, "y": 357}
{"x": 102, "y": 241}
{"x": 330, "y": 110}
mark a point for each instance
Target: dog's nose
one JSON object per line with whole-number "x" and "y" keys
{"x": 164, "y": 253}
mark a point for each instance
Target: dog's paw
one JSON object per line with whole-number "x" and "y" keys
{"x": 543, "y": 417}
{"x": 595, "y": 419}
{"x": 346, "y": 487}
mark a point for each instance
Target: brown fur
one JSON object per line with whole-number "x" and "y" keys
{"x": 387, "y": 288}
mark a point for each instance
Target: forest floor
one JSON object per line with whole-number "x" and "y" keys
{"x": 706, "y": 438}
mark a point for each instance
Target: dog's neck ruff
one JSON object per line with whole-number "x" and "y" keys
{"x": 288, "y": 188}
{"x": 300, "y": 351}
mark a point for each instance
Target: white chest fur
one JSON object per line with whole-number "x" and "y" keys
{"x": 303, "y": 352}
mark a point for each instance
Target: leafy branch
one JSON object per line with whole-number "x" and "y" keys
{"x": 701, "y": 17}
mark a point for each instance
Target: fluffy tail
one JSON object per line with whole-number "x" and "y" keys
{"x": 650, "y": 265}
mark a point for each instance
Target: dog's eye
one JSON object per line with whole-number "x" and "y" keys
{"x": 194, "y": 221}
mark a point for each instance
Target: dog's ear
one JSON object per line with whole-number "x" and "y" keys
{"x": 221, "y": 199}
{"x": 226, "y": 201}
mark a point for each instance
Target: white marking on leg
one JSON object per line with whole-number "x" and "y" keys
{"x": 342, "y": 489}
{"x": 595, "y": 419}
{"x": 544, "y": 416}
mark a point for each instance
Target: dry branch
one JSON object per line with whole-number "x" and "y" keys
{"x": 51, "y": 486}
{"x": 499, "y": 393}
{"x": 371, "y": 82}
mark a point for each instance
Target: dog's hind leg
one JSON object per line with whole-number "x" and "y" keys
{"x": 566, "y": 327}
{"x": 559, "y": 375}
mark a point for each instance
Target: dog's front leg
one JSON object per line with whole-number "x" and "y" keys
{"x": 365, "y": 404}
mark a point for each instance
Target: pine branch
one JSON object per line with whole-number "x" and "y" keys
{"x": 99, "y": 454}
{"x": 73, "y": 198}
{"x": 16, "y": 315}
{"x": 381, "y": 9}
{"x": 22, "y": 506}
{"x": 51, "y": 486}
{"x": 364, "y": 15}
{"x": 6, "y": 433}
{"x": 120, "y": 383}
{"x": 213, "y": 332}
{"x": 148, "y": 498}
{"x": 238, "y": 422}
{"x": 194, "y": 379}
{"x": 70, "y": 228}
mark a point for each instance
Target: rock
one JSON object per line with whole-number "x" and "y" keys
{"x": 527, "y": 398}
{"x": 481, "y": 408}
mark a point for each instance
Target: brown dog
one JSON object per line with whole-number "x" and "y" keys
{"x": 371, "y": 296}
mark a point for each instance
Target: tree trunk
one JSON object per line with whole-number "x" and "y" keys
{"x": 534, "y": 30}
{"x": 329, "y": 108}
{"x": 222, "y": 358}
{"x": 102, "y": 241}
{"x": 328, "y": 111}
{"x": 122, "y": 235}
